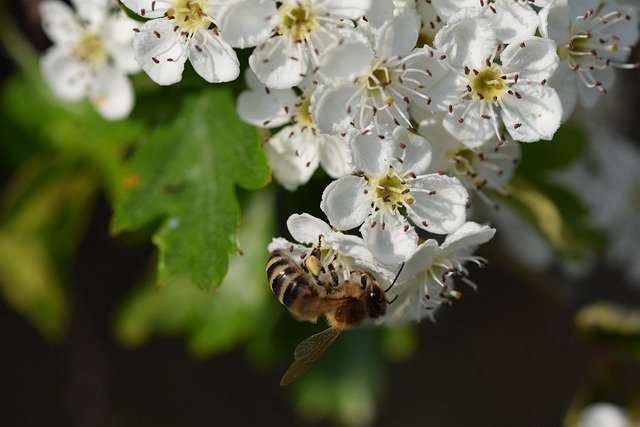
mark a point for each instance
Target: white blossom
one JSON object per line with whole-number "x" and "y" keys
{"x": 369, "y": 84}
{"x": 296, "y": 150}
{"x": 427, "y": 279}
{"x": 179, "y": 30}
{"x": 511, "y": 19}
{"x": 489, "y": 166}
{"x": 593, "y": 38}
{"x": 390, "y": 189}
{"x": 487, "y": 85}
{"x": 91, "y": 56}
{"x": 300, "y": 33}
{"x": 602, "y": 414}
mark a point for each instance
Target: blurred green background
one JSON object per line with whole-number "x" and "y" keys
{"x": 89, "y": 340}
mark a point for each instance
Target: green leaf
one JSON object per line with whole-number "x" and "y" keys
{"x": 44, "y": 213}
{"x": 568, "y": 144}
{"x": 211, "y": 321}
{"x": 185, "y": 173}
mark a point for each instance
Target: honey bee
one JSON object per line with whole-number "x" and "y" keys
{"x": 308, "y": 291}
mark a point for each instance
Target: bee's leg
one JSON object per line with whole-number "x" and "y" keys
{"x": 335, "y": 280}
{"x": 313, "y": 264}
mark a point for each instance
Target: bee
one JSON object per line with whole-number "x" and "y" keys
{"x": 309, "y": 292}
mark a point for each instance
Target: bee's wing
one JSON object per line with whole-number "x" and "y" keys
{"x": 307, "y": 352}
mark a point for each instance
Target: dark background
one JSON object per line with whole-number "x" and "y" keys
{"x": 506, "y": 355}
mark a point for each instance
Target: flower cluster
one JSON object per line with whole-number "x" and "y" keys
{"x": 409, "y": 105}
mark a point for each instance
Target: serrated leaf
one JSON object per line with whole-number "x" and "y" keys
{"x": 185, "y": 173}
{"x": 211, "y": 322}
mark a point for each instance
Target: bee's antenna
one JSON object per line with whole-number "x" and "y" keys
{"x": 394, "y": 280}
{"x": 394, "y": 298}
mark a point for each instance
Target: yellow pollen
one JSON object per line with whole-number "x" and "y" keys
{"x": 304, "y": 113}
{"x": 463, "y": 160}
{"x": 189, "y": 15}
{"x": 90, "y": 49}
{"x": 390, "y": 189}
{"x": 487, "y": 84}
{"x": 296, "y": 21}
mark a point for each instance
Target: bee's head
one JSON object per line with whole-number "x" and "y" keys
{"x": 374, "y": 296}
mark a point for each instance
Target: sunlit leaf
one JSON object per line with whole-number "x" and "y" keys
{"x": 211, "y": 321}
{"x": 186, "y": 173}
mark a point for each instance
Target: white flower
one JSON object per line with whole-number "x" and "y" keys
{"x": 301, "y": 32}
{"x": 426, "y": 281}
{"x": 602, "y": 414}
{"x": 593, "y": 38}
{"x": 295, "y": 151}
{"x": 369, "y": 86}
{"x": 177, "y": 30}
{"x": 390, "y": 189}
{"x": 489, "y": 85}
{"x": 91, "y": 55}
{"x": 489, "y": 166}
{"x": 511, "y": 19}
{"x": 344, "y": 252}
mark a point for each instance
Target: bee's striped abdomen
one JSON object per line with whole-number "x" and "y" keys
{"x": 287, "y": 279}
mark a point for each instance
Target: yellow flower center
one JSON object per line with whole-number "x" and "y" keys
{"x": 463, "y": 160}
{"x": 377, "y": 81}
{"x": 392, "y": 190}
{"x": 90, "y": 49}
{"x": 296, "y": 21}
{"x": 488, "y": 84}
{"x": 303, "y": 115}
{"x": 189, "y": 15}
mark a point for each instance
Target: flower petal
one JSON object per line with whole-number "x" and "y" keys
{"x": 398, "y": 36}
{"x": 279, "y": 63}
{"x": 111, "y": 94}
{"x": 389, "y": 237}
{"x": 293, "y": 156}
{"x": 246, "y": 23}
{"x": 333, "y": 66}
{"x": 466, "y": 238}
{"x": 266, "y": 108}
{"x": 306, "y": 228}
{"x": 440, "y": 203}
{"x": 160, "y": 51}
{"x": 534, "y": 59}
{"x": 348, "y": 9}
{"x": 468, "y": 40}
{"x": 332, "y": 107}
{"x": 148, "y": 8}
{"x": 334, "y": 156}
{"x": 467, "y": 124}
{"x": 67, "y": 78}
{"x": 59, "y": 22}
{"x": 346, "y": 202}
{"x": 535, "y": 115}
{"x": 213, "y": 58}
